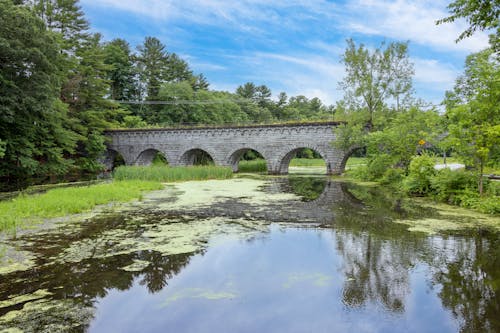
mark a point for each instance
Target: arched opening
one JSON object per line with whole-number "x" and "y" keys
{"x": 151, "y": 157}
{"x": 112, "y": 160}
{"x": 354, "y": 158}
{"x": 197, "y": 157}
{"x": 303, "y": 161}
{"x": 247, "y": 160}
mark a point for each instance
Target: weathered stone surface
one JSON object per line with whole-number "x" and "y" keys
{"x": 278, "y": 144}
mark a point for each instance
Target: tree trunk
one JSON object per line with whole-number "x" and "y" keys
{"x": 481, "y": 167}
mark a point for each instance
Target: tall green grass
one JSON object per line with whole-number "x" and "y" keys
{"x": 171, "y": 174}
{"x": 307, "y": 162}
{"x": 257, "y": 165}
{"x": 25, "y": 209}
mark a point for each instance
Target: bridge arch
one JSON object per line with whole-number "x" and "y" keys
{"x": 196, "y": 156}
{"x": 284, "y": 159}
{"x": 235, "y": 157}
{"x": 112, "y": 158}
{"x": 348, "y": 153}
{"x": 147, "y": 156}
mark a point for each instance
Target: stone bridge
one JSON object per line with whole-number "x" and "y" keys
{"x": 278, "y": 144}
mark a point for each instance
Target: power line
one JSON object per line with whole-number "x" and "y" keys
{"x": 186, "y": 102}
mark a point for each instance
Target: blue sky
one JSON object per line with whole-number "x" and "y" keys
{"x": 290, "y": 45}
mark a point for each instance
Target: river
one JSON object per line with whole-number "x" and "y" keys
{"x": 257, "y": 254}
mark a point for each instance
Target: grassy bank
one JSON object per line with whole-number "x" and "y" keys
{"x": 26, "y": 209}
{"x": 171, "y": 174}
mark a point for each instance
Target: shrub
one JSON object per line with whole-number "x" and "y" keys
{"x": 378, "y": 165}
{"x": 392, "y": 176}
{"x": 420, "y": 172}
{"x": 446, "y": 184}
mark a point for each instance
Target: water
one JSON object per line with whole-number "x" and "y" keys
{"x": 298, "y": 254}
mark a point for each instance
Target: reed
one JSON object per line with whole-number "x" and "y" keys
{"x": 171, "y": 174}
{"x": 307, "y": 162}
{"x": 257, "y": 165}
{"x": 25, "y": 209}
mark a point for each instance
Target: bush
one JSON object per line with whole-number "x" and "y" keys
{"x": 446, "y": 184}
{"x": 420, "y": 172}
{"x": 378, "y": 165}
{"x": 392, "y": 176}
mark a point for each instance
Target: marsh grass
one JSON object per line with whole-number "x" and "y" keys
{"x": 257, "y": 165}
{"x": 25, "y": 209}
{"x": 171, "y": 174}
{"x": 307, "y": 162}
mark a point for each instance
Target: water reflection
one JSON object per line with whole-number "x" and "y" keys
{"x": 348, "y": 267}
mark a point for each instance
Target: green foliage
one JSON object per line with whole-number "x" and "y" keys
{"x": 374, "y": 77}
{"x": 421, "y": 170}
{"x": 257, "y": 165}
{"x": 446, "y": 184}
{"x": 480, "y": 15}
{"x": 392, "y": 177}
{"x": 402, "y": 135}
{"x": 473, "y": 112}
{"x": 167, "y": 174}
{"x": 33, "y": 123}
{"x": 122, "y": 75}
{"x": 27, "y": 209}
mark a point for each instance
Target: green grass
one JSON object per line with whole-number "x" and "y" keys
{"x": 25, "y": 209}
{"x": 307, "y": 162}
{"x": 257, "y": 165}
{"x": 171, "y": 174}
{"x": 354, "y": 162}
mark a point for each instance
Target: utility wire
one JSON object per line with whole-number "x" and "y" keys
{"x": 186, "y": 102}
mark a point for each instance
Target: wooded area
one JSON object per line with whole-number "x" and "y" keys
{"x": 62, "y": 86}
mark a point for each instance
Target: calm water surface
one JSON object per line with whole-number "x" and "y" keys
{"x": 296, "y": 254}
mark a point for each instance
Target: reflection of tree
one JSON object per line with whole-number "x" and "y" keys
{"x": 377, "y": 254}
{"x": 375, "y": 269}
{"x": 468, "y": 269}
{"x": 308, "y": 188}
{"x": 161, "y": 269}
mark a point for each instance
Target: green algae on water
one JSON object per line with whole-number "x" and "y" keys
{"x": 201, "y": 293}
{"x": 40, "y": 293}
{"x": 314, "y": 279}
{"x": 450, "y": 218}
{"x": 136, "y": 266}
{"x": 45, "y": 315}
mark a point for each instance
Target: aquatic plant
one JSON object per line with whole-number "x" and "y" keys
{"x": 257, "y": 165}
{"x": 25, "y": 209}
{"x": 171, "y": 174}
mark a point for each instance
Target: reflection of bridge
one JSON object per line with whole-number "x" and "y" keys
{"x": 278, "y": 144}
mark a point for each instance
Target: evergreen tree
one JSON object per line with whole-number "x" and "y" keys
{"x": 122, "y": 75}
{"x": 33, "y": 122}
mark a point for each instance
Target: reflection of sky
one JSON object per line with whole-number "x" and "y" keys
{"x": 289, "y": 280}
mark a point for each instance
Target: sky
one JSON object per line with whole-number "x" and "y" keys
{"x": 293, "y": 46}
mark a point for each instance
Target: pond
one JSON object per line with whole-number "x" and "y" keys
{"x": 262, "y": 254}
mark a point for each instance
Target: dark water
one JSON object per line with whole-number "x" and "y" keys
{"x": 331, "y": 259}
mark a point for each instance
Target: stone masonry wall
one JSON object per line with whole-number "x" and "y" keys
{"x": 276, "y": 143}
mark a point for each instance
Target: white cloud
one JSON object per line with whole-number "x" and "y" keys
{"x": 439, "y": 75}
{"x": 411, "y": 20}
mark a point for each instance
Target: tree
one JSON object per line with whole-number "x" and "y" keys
{"x": 34, "y": 133}
{"x": 374, "y": 77}
{"x": 480, "y": 15}
{"x": 122, "y": 75}
{"x": 152, "y": 61}
{"x": 64, "y": 17}
{"x": 473, "y": 112}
